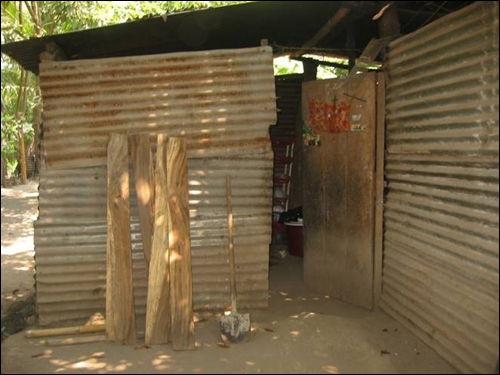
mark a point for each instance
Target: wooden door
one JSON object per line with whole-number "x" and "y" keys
{"x": 339, "y": 194}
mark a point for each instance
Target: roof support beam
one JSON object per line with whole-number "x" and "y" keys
{"x": 319, "y": 62}
{"x": 325, "y": 30}
{"x": 52, "y": 53}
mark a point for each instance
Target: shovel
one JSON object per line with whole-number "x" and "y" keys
{"x": 234, "y": 327}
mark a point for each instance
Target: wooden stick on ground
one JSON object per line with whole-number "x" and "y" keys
{"x": 37, "y": 333}
{"x": 181, "y": 282}
{"x": 158, "y": 317}
{"x": 142, "y": 160}
{"x": 74, "y": 341}
{"x": 120, "y": 319}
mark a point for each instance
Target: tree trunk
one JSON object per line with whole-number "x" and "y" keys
{"x": 20, "y": 109}
{"x": 22, "y": 156}
{"x": 4, "y": 172}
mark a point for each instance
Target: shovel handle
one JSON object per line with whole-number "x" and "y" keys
{"x": 230, "y": 224}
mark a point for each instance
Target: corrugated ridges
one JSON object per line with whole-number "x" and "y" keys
{"x": 70, "y": 237}
{"x": 441, "y": 257}
{"x": 216, "y": 99}
{"x": 223, "y": 102}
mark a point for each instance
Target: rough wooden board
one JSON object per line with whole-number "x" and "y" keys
{"x": 36, "y": 333}
{"x": 158, "y": 317}
{"x": 181, "y": 279}
{"x": 110, "y": 328}
{"x": 119, "y": 243}
{"x": 142, "y": 161}
{"x": 379, "y": 189}
{"x": 338, "y": 244}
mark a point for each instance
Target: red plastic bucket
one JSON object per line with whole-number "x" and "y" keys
{"x": 295, "y": 245}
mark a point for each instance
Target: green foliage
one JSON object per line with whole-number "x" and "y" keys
{"x": 284, "y": 66}
{"x": 27, "y": 19}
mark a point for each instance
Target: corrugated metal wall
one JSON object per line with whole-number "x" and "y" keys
{"x": 223, "y": 102}
{"x": 441, "y": 261}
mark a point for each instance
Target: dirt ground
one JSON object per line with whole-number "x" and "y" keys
{"x": 19, "y": 210}
{"x": 301, "y": 332}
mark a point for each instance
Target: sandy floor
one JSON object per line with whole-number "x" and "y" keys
{"x": 300, "y": 333}
{"x": 19, "y": 210}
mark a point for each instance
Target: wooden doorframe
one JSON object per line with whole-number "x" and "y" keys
{"x": 379, "y": 190}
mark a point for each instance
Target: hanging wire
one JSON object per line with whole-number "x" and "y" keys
{"x": 433, "y": 14}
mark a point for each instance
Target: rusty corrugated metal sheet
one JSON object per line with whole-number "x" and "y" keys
{"x": 226, "y": 120}
{"x": 221, "y": 100}
{"x": 441, "y": 257}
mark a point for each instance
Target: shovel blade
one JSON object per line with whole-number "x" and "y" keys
{"x": 235, "y": 327}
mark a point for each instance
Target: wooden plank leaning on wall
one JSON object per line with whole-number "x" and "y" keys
{"x": 142, "y": 161}
{"x": 181, "y": 292}
{"x": 120, "y": 309}
{"x": 158, "y": 317}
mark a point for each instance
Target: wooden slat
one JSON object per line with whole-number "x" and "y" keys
{"x": 379, "y": 190}
{"x": 120, "y": 295}
{"x": 181, "y": 278}
{"x": 158, "y": 318}
{"x": 142, "y": 160}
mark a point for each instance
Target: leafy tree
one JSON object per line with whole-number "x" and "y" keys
{"x": 26, "y": 19}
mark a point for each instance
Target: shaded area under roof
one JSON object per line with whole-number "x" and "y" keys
{"x": 286, "y": 23}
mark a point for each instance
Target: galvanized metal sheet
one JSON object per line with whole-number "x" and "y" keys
{"x": 441, "y": 257}
{"x": 221, "y": 100}
{"x": 225, "y": 118}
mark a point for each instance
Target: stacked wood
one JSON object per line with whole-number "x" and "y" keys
{"x": 164, "y": 218}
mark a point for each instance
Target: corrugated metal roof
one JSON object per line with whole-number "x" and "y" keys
{"x": 441, "y": 258}
{"x": 237, "y": 26}
{"x": 225, "y": 118}
{"x": 283, "y": 23}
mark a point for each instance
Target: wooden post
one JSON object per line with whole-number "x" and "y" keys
{"x": 142, "y": 160}
{"x": 120, "y": 293}
{"x": 351, "y": 46}
{"x": 158, "y": 317}
{"x": 181, "y": 282}
{"x": 388, "y": 24}
{"x": 22, "y": 155}
{"x": 379, "y": 190}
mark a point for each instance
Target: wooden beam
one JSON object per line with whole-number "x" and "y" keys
{"x": 325, "y": 30}
{"x": 379, "y": 190}
{"x": 319, "y": 62}
{"x": 121, "y": 317}
{"x": 181, "y": 279}
{"x": 142, "y": 161}
{"x": 351, "y": 46}
{"x": 388, "y": 23}
{"x": 37, "y": 333}
{"x": 370, "y": 53}
{"x": 158, "y": 316}
{"x": 53, "y": 53}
